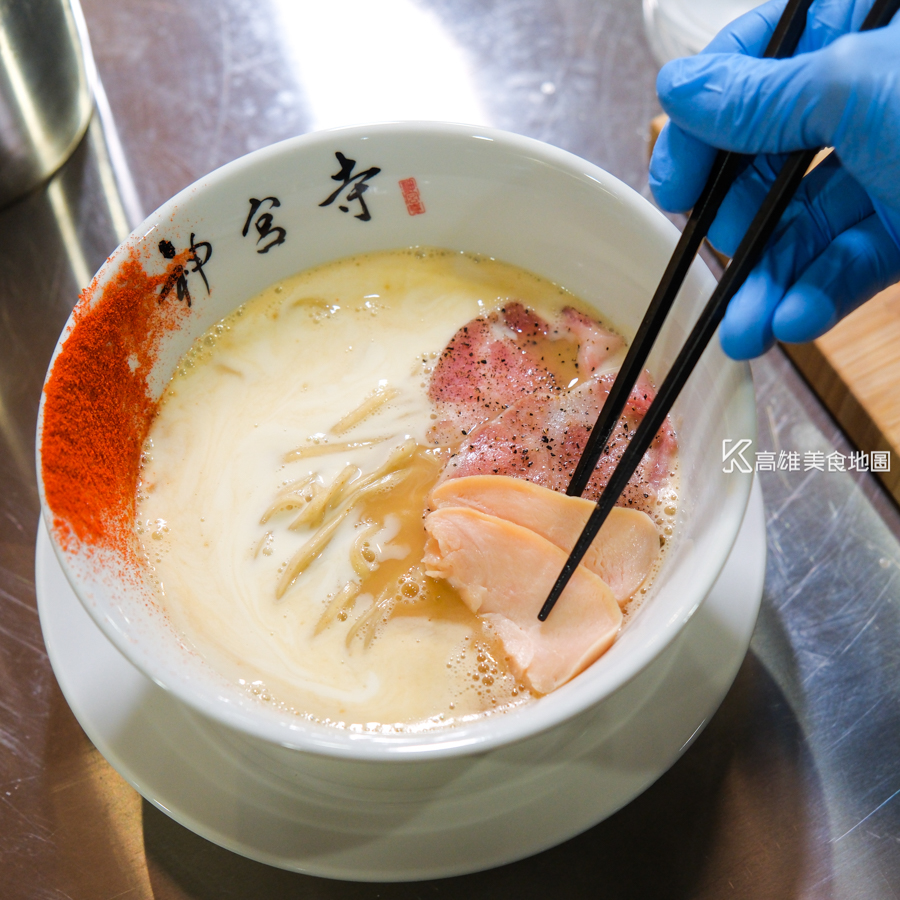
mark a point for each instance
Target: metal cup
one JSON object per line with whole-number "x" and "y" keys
{"x": 45, "y": 90}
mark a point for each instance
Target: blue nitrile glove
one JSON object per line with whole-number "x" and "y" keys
{"x": 838, "y": 243}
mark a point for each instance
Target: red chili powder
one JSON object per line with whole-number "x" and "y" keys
{"x": 98, "y": 407}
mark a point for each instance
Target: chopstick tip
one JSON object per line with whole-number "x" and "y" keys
{"x": 554, "y": 594}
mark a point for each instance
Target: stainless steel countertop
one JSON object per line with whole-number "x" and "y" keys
{"x": 790, "y": 792}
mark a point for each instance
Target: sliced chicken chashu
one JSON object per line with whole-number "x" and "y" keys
{"x": 623, "y": 553}
{"x": 503, "y": 573}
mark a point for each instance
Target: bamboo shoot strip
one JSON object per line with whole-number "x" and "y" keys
{"x": 309, "y": 551}
{"x": 262, "y": 543}
{"x": 397, "y": 457}
{"x": 358, "y": 553}
{"x": 341, "y": 602}
{"x": 329, "y": 496}
{"x": 371, "y": 404}
{"x": 301, "y": 560}
{"x": 366, "y": 624}
{"x": 324, "y": 448}
{"x": 296, "y": 495}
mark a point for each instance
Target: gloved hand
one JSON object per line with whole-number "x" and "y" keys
{"x": 838, "y": 243}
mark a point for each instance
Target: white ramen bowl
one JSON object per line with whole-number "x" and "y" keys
{"x": 476, "y": 190}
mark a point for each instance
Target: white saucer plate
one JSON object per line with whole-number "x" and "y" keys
{"x": 499, "y": 810}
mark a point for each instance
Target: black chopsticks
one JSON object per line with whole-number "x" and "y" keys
{"x": 745, "y": 258}
{"x": 726, "y": 168}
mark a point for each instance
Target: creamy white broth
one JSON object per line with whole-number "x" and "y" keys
{"x": 277, "y": 375}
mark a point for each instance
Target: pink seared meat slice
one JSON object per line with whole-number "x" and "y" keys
{"x": 540, "y": 439}
{"x": 595, "y": 343}
{"x": 525, "y": 324}
{"x": 502, "y": 411}
{"x": 487, "y": 366}
{"x": 623, "y": 554}
{"x": 503, "y": 573}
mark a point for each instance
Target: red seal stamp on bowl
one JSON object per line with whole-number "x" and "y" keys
{"x": 411, "y": 196}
